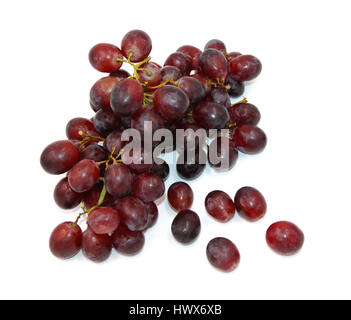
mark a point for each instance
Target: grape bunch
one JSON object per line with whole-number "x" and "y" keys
{"x": 191, "y": 92}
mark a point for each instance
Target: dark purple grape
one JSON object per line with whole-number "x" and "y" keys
{"x": 103, "y": 57}
{"x": 220, "y": 96}
{"x": 101, "y": 91}
{"x": 118, "y": 180}
{"x": 193, "y": 89}
{"x": 171, "y": 102}
{"x": 152, "y": 214}
{"x": 133, "y": 213}
{"x": 227, "y": 156}
{"x": 84, "y": 175}
{"x": 103, "y": 220}
{"x": 65, "y": 241}
{"x": 245, "y": 68}
{"x": 216, "y": 44}
{"x": 148, "y": 187}
{"x": 193, "y": 54}
{"x": 210, "y": 115}
{"x": 190, "y": 168}
{"x": 180, "y": 196}
{"x": 161, "y": 169}
{"x": 136, "y": 45}
{"x": 249, "y": 139}
{"x": 94, "y": 152}
{"x": 120, "y": 74}
{"x": 186, "y": 226}
{"x": 92, "y": 197}
{"x": 106, "y": 121}
{"x": 76, "y": 125}
{"x": 170, "y": 73}
{"x": 127, "y": 97}
{"x": 96, "y": 247}
{"x": 151, "y": 74}
{"x": 179, "y": 60}
{"x": 237, "y": 88}
{"x": 244, "y": 113}
{"x": 65, "y": 197}
{"x": 126, "y": 241}
{"x": 214, "y": 64}
{"x": 59, "y": 157}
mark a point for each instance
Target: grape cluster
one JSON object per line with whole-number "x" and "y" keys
{"x": 192, "y": 92}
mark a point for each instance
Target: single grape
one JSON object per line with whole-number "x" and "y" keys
{"x": 65, "y": 197}
{"x": 223, "y": 254}
{"x": 193, "y": 89}
{"x": 186, "y": 226}
{"x": 193, "y": 54}
{"x": 126, "y": 97}
{"x": 114, "y": 142}
{"x": 59, "y": 157}
{"x": 103, "y": 220}
{"x": 140, "y": 117}
{"x": 96, "y": 247}
{"x": 284, "y": 238}
{"x": 244, "y": 113}
{"x": 204, "y": 80}
{"x": 190, "y": 168}
{"x": 133, "y": 213}
{"x": 249, "y": 139}
{"x": 180, "y": 196}
{"x": 220, "y": 206}
{"x": 170, "y": 73}
{"x": 120, "y": 74}
{"x": 210, "y": 115}
{"x": 227, "y": 155}
{"x": 179, "y": 60}
{"x": 148, "y": 187}
{"x": 250, "y": 203}
{"x": 216, "y": 44}
{"x": 171, "y": 102}
{"x": 76, "y": 125}
{"x": 84, "y": 175}
{"x": 220, "y": 96}
{"x": 152, "y": 214}
{"x": 101, "y": 91}
{"x": 118, "y": 180}
{"x": 105, "y": 121}
{"x": 136, "y": 45}
{"x": 151, "y": 74}
{"x": 245, "y": 68}
{"x": 237, "y": 88}
{"x": 126, "y": 241}
{"x": 161, "y": 169}
{"x": 214, "y": 64}
{"x": 94, "y": 152}
{"x": 103, "y": 57}
{"x": 65, "y": 240}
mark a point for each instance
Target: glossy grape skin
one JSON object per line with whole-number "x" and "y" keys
{"x": 65, "y": 197}
{"x": 139, "y": 163}
{"x": 118, "y": 180}
{"x": 136, "y": 45}
{"x": 59, "y": 157}
{"x": 170, "y": 73}
{"x": 244, "y": 113}
{"x": 148, "y": 187}
{"x": 94, "y": 152}
{"x": 216, "y": 44}
{"x": 105, "y": 121}
{"x": 103, "y": 220}
{"x": 179, "y": 60}
{"x": 126, "y": 97}
{"x": 120, "y": 74}
{"x": 214, "y": 64}
{"x": 249, "y": 139}
{"x": 133, "y": 213}
{"x": 101, "y": 91}
{"x": 285, "y": 238}
{"x": 84, "y": 175}
{"x": 193, "y": 88}
{"x": 229, "y": 152}
{"x": 193, "y": 54}
{"x": 161, "y": 169}
{"x": 186, "y": 226}
{"x": 237, "y": 88}
{"x": 204, "y": 80}
{"x": 65, "y": 240}
{"x": 145, "y": 114}
{"x": 233, "y": 55}
{"x": 190, "y": 169}
{"x": 114, "y": 141}
{"x": 152, "y": 214}
{"x": 250, "y": 203}
{"x": 223, "y": 254}
{"x": 154, "y": 78}
{"x": 171, "y": 102}
{"x": 74, "y": 126}
{"x": 96, "y": 247}
{"x": 126, "y": 241}
{"x": 211, "y": 115}
{"x": 245, "y": 68}
{"x": 220, "y": 206}
{"x": 180, "y": 196}
{"x": 220, "y": 96}
{"x": 103, "y": 57}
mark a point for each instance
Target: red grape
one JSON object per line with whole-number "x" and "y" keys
{"x": 244, "y": 113}
{"x": 152, "y": 214}
{"x": 186, "y": 226}
{"x": 103, "y": 57}
{"x": 170, "y": 73}
{"x": 237, "y": 88}
{"x": 94, "y": 152}
{"x": 103, "y": 220}
{"x": 227, "y": 157}
{"x": 59, "y": 157}
{"x": 216, "y": 44}
{"x": 142, "y": 115}
{"x": 101, "y": 91}
{"x": 180, "y": 196}
{"x": 65, "y": 241}
{"x": 118, "y": 180}
{"x": 193, "y": 54}
{"x": 220, "y": 96}
{"x": 120, "y": 74}
{"x": 210, "y": 115}
{"x": 151, "y": 74}
{"x": 179, "y": 60}
{"x": 245, "y": 68}
{"x": 76, "y": 125}
{"x": 192, "y": 167}
{"x": 204, "y": 80}
{"x": 148, "y": 187}
{"x": 65, "y": 197}
{"x": 193, "y": 89}
{"x": 249, "y": 139}
{"x": 96, "y": 247}
{"x": 114, "y": 141}
{"x": 250, "y": 203}
{"x": 136, "y": 45}
{"x": 126, "y": 241}
{"x": 214, "y": 64}
{"x": 106, "y": 121}
{"x": 220, "y": 206}
{"x": 83, "y": 175}
{"x": 285, "y": 238}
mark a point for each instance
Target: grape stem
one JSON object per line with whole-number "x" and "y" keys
{"x": 244, "y": 100}
{"x": 136, "y": 66}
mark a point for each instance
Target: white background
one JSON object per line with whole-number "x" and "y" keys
{"x": 304, "y": 97}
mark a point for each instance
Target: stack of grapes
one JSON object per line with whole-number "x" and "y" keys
{"x": 191, "y": 91}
